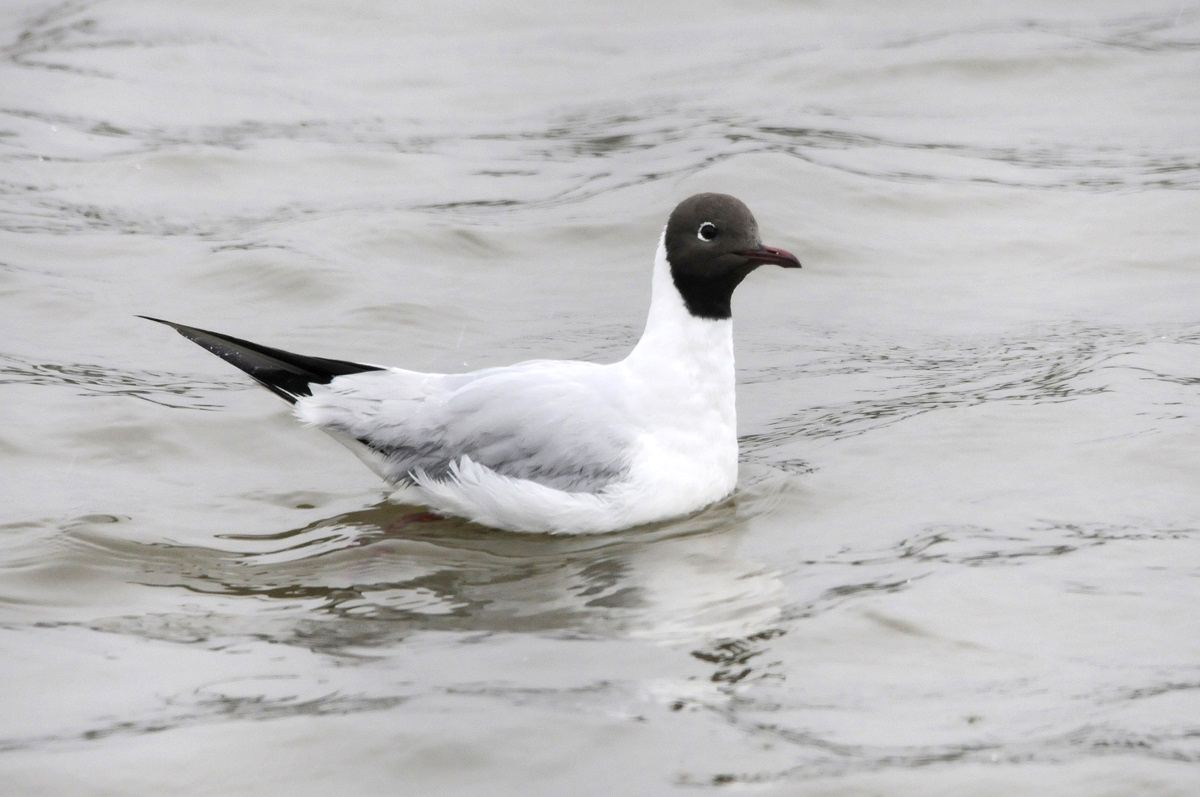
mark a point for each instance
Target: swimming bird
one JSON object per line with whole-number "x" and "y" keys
{"x": 549, "y": 445}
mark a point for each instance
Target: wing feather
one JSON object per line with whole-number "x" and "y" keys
{"x": 560, "y": 424}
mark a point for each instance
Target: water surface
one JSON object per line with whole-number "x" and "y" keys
{"x": 962, "y": 558}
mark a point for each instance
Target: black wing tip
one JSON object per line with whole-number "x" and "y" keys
{"x": 182, "y": 329}
{"x": 284, "y": 373}
{"x": 156, "y": 320}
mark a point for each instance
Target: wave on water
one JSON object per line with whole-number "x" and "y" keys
{"x": 890, "y": 383}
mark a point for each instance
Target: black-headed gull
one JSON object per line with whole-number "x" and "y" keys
{"x": 548, "y": 445}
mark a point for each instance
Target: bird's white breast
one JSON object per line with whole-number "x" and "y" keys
{"x": 681, "y": 382}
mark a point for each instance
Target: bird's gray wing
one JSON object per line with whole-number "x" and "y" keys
{"x": 560, "y": 424}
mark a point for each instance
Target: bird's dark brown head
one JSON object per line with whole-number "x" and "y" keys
{"x": 712, "y": 243}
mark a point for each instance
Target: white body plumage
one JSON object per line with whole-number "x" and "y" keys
{"x": 546, "y": 445}
{"x": 664, "y": 417}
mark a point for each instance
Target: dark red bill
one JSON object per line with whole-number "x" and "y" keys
{"x": 769, "y": 254}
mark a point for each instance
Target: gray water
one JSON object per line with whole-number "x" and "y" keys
{"x": 963, "y": 555}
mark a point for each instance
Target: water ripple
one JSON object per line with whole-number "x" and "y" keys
{"x": 903, "y": 382}
{"x": 169, "y": 389}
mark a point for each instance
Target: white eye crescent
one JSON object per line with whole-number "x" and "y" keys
{"x": 707, "y": 231}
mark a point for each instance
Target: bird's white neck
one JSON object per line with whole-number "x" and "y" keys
{"x": 677, "y": 343}
{"x": 682, "y": 383}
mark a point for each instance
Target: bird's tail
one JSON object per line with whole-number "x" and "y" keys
{"x": 285, "y": 374}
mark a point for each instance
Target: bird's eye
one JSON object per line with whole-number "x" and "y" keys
{"x": 707, "y": 231}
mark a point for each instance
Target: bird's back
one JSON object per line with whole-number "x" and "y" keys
{"x": 560, "y": 424}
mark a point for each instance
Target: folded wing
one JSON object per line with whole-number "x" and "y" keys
{"x": 553, "y": 423}
{"x": 287, "y": 375}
